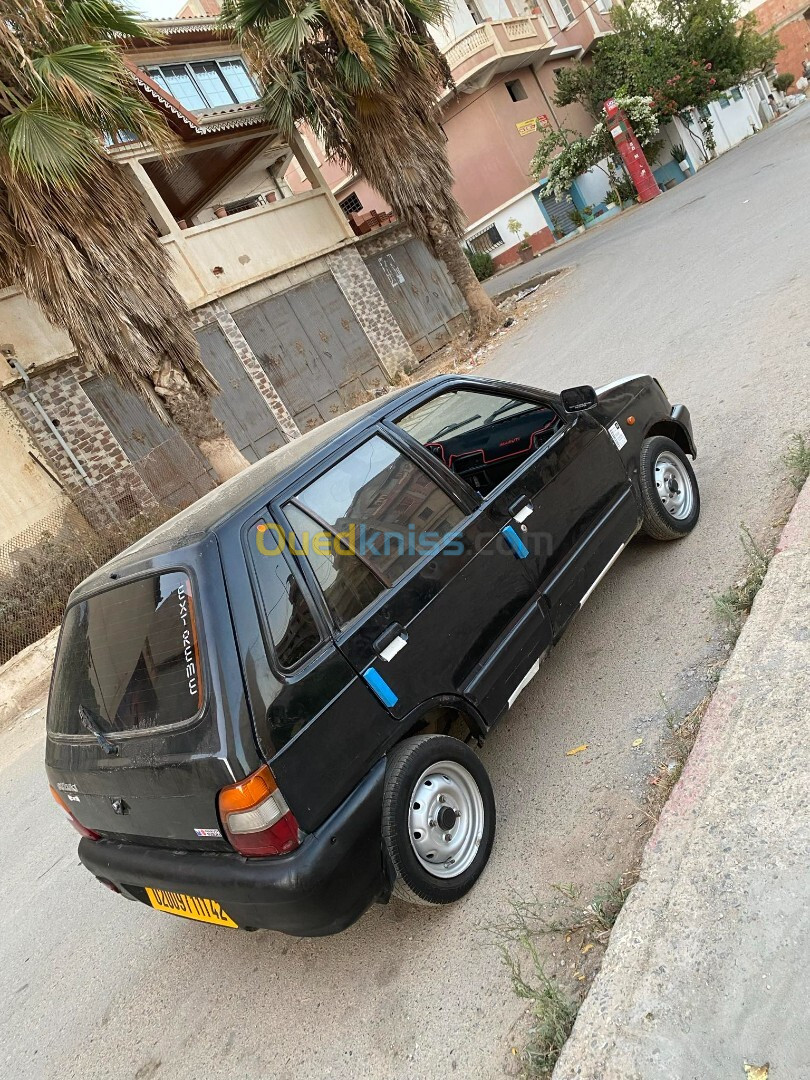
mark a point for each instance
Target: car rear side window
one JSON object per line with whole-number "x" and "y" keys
{"x": 381, "y": 505}
{"x": 293, "y": 630}
{"x": 129, "y": 660}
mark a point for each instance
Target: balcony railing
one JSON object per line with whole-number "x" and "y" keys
{"x": 496, "y": 40}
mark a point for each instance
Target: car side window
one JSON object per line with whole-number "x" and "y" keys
{"x": 481, "y": 436}
{"x": 365, "y": 521}
{"x": 291, "y": 624}
{"x": 347, "y": 583}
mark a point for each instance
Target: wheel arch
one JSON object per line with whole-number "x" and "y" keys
{"x": 447, "y": 707}
{"x": 672, "y": 430}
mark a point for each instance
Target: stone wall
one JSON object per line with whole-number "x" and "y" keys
{"x": 111, "y": 486}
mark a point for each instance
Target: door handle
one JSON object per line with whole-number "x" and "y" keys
{"x": 521, "y": 509}
{"x": 390, "y": 642}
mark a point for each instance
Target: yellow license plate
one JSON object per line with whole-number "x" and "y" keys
{"x": 189, "y": 907}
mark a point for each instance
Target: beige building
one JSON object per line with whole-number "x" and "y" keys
{"x": 297, "y": 319}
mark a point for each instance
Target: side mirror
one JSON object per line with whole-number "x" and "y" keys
{"x": 578, "y": 398}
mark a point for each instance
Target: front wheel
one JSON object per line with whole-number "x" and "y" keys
{"x": 438, "y": 819}
{"x": 669, "y": 490}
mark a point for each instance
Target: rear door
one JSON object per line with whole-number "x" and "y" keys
{"x": 425, "y": 596}
{"x": 317, "y": 723}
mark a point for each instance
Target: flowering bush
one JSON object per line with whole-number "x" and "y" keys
{"x": 566, "y": 155}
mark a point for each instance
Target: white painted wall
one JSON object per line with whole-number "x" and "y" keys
{"x": 593, "y": 186}
{"x": 525, "y": 210}
{"x": 731, "y": 125}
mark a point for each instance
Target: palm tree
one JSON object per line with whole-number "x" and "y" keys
{"x": 74, "y": 234}
{"x": 365, "y": 75}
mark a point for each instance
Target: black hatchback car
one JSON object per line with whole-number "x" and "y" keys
{"x": 261, "y": 714}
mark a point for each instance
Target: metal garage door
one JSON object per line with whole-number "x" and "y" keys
{"x": 420, "y": 294}
{"x": 239, "y": 406}
{"x": 559, "y": 213}
{"x": 313, "y": 349}
{"x": 174, "y": 472}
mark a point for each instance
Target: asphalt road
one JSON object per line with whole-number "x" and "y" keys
{"x": 707, "y": 289}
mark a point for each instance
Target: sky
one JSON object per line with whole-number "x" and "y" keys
{"x": 157, "y": 9}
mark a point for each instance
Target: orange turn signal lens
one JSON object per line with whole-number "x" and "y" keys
{"x": 255, "y": 816}
{"x": 248, "y": 793}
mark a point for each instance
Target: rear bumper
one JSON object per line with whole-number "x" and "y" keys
{"x": 319, "y": 889}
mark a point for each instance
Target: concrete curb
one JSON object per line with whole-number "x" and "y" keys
{"x": 709, "y": 955}
{"x": 25, "y": 677}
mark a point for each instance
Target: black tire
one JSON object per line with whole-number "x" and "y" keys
{"x": 655, "y": 465}
{"x": 407, "y": 765}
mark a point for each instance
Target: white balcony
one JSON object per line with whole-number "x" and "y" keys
{"x": 220, "y": 256}
{"x": 493, "y": 47}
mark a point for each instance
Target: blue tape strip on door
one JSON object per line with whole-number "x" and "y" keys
{"x": 514, "y": 541}
{"x": 380, "y": 687}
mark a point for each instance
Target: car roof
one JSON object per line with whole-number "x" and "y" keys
{"x": 265, "y": 478}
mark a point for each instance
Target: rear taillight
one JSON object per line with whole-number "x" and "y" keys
{"x": 77, "y": 825}
{"x": 255, "y": 817}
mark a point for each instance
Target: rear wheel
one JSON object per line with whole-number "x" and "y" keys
{"x": 438, "y": 819}
{"x": 669, "y": 490}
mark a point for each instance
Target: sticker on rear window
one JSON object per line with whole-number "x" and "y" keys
{"x": 618, "y": 436}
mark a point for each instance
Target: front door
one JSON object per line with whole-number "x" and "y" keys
{"x": 426, "y": 595}
{"x": 557, "y": 480}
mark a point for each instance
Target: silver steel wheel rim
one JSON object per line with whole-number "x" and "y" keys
{"x": 446, "y": 850}
{"x": 674, "y": 486}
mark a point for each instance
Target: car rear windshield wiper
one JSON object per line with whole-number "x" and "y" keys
{"x": 92, "y": 726}
{"x": 454, "y": 427}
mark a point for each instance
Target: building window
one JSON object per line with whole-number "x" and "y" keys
{"x": 725, "y": 102}
{"x": 351, "y": 204}
{"x": 485, "y": 240}
{"x": 563, "y": 14}
{"x": 206, "y": 84}
{"x": 515, "y": 90}
{"x": 736, "y": 93}
{"x": 473, "y": 9}
{"x": 603, "y": 6}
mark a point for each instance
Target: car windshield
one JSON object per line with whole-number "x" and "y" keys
{"x": 128, "y": 660}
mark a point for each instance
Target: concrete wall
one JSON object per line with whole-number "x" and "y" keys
{"x": 27, "y": 492}
{"x": 228, "y": 253}
{"x": 23, "y": 325}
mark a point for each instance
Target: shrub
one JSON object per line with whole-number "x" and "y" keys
{"x": 36, "y": 581}
{"x": 482, "y": 264}
{"x": 783, "y": 82}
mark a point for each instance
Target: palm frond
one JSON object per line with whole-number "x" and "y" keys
{"x": 285, "y": 37}
{"x": 49, "y": 146}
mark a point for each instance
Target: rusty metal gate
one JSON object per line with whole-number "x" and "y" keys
{"x": 313, "y": 349}
{"x": 174, "y": 472}
{"x": 239, "y": 406}
{"x": 425, "y": 302}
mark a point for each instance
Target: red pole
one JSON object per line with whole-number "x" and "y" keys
{"x": 633, "y": 156}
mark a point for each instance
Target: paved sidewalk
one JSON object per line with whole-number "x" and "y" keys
{"x": 708, "y": 965}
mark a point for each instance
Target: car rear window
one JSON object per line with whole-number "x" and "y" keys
{"x": 128, "y": 660}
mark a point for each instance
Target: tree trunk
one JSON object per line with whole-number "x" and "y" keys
{"x": 191, "y": 411}
{"x": 484, "y": 315}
